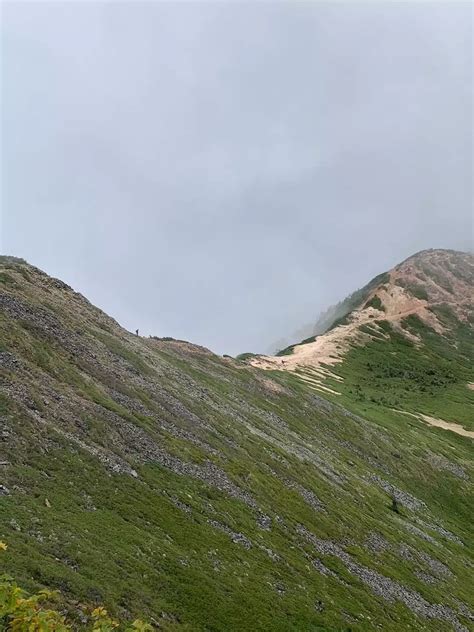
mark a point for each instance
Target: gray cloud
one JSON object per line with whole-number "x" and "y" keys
{"x": 221, "y": 172}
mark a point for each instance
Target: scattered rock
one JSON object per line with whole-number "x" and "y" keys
{"x": 404, "y": 498}
{"x": 387, "y": 588}
{"x": 264, "y": 522}
{"x": 321, "y": 568}
{"x": 376, "y": 543}
{"x": 9, "y": 361}
{"x": 441, "y": 463}
{"x": 426, "y": 578}
{"x": 271, "y": 554}
{"x": 237, "y": 538}
{"x": 441, "y": 530}
{"x": 180, "y": 505}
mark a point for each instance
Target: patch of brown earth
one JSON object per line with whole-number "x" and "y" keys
{"x": 439, "y": 423}
{"x": 447, "y": 425}
{"x": 442, "y": 277}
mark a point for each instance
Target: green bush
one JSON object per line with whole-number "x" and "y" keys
{"x": 376, "y": 303}
{"x": 22, "y": 613}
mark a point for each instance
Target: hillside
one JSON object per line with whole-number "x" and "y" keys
{"x": 203, "y": 493}
{"x": 420, "y": 313}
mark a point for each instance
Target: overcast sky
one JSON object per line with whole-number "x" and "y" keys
{"x": 222, "y": 172}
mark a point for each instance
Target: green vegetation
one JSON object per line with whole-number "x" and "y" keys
{"x": 289, "y": 350}
{"x": 339, "y": 314}
{"x": 16, "y": 262}
{"x": 286, "y": 351}
{"x": 6, "y": 279}
{"x": 34, "y": 613}
{"x": 419, "y": 292}
{"x": 415, "y": 289}
{"x": 376, "y": 303}
{"x": 246, "y": 356}
{"x": 430, "y": 378}
{"x": 118, "y": 348}
{"x": 166, "y": 484}
{"x": 342, "y": 310}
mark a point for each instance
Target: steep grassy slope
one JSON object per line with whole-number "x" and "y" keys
{"x": 200, "y": 493}
{"x": 431, "y": 375}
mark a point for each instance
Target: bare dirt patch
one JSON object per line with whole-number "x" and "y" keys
{"x": 439, "y": 423}
{"x": 427, "y": 274}
{"x": 273, "y": 387}
{"x": 447, "y": 425}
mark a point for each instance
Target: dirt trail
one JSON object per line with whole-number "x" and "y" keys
{"x": 330, "y": 348}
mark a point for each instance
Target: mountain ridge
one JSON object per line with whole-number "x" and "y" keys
{"x": 201, "y": 493}
{"x": 396, "y": 294}
{"x": 329, "y": 315}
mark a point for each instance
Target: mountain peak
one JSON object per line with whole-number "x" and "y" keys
{"x": 419, "y": 287}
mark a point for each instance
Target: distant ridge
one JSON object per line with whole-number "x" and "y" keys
{"x": 417, "y": 285}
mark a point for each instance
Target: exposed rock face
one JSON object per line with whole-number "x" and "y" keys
{"x": 416, "y": 287}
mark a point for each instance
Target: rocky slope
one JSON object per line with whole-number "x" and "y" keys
{"x": 417, "y": 286}
{"x": 201, "y": 493}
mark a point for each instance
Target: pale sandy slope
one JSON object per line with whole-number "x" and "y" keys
{"x": 433, "y": 271}
{"x": 329, "y": 348}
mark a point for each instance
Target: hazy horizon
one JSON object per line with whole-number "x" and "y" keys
{"x": 221, "y": 173}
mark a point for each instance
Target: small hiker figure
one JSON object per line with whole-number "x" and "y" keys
{"x": 136, "y": 331}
